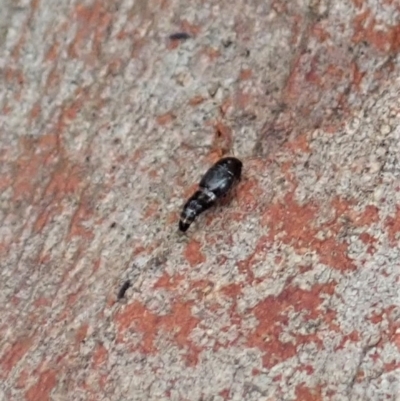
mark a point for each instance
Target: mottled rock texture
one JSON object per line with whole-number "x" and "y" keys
{"x": 289, "y": 289}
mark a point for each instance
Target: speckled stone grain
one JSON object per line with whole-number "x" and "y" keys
{"x": 287, "y": 290}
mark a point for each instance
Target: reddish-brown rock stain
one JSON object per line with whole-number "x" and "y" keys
{"x": 308, "y": 369}
{"x": 222, "y": 140}
{"x": 295, "y": 225}
{"x": 211, "y": 53}
{"x": 190, "y": 28}
{"x": 82, "y": 213}
{"x": 42, "y": 301}
{"x": 23, "y": 378}
{"x": 226, "y": 106}
{"x": 390, "y": 366}
{"x": 35, "y": 112}
{"x": 136, "y": 316}
{"x": 245, "y": 266}
{"x": 92, "y": 23}
{"x": 52, "y": 80}
{"x": 245, "y": 74}
{"x": 167, "y": 282}
{"x": 193, "y": 253}
{"x": 272, "y": 316}
{"x": 189, "y": 191}
{"x": 35, "y": 154}
{"x": 354, "y": 336}
{"x": 52, "y": 52}
{"x": 393, "y": 226}
{"x": 100, "y": 356}
{"x": 196, "y": 100}
{"x": 358, "y": 3}
{"x": 384, "y": 39}
{"x": 334, "y": 254}
{"x": 165, "y": 118}
{"x": 179, "y": 324}
{"x": 243, "y": 100}
{"x": 173, "y": 44}
{"x": 232, "y": 290}
{"x": 299, "y": 144}
{"x": 369, "y": 240}
{"x": 200, "y": 286}
{"x": 304, "y": 393}
{"x": 81, "y": 333}
{"x": 318, "y": 31}
{"x": 65, "y": 180}
{"x": 151, "y": 209}
{"x": 14, "y": 354}
{"x": 367, "y": 217}
{"x": 248, "y": 194}
{"x": 265, "y": 337}
{"x": 358, "y": 76}
{"x": 41, "y": 390}
{"x": 290, "y": 221}
{"x": 70, "y": 110}
{"x": 225, "y": 393}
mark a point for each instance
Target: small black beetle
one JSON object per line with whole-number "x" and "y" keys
{"x": 216, "y": 183}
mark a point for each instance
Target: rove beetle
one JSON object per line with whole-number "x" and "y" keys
{"x": 215, "y": 184}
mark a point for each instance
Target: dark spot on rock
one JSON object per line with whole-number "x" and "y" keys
{"x": 179, "y": 36}
{"x": 123, "y": 289}
{"x": 227, "y": 43}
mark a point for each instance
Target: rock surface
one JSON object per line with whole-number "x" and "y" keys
{"x": 288, "y": 290}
